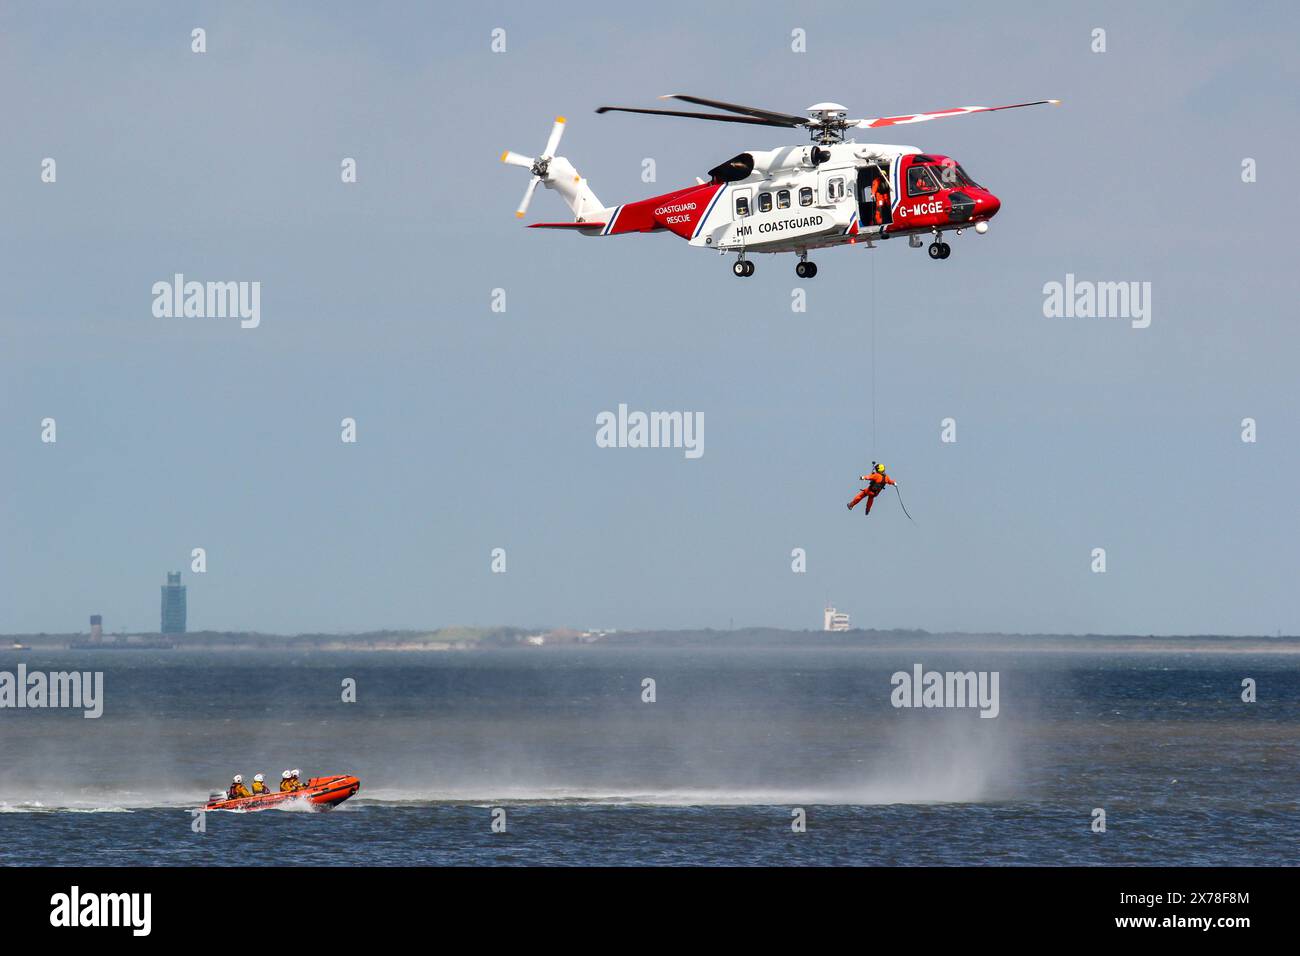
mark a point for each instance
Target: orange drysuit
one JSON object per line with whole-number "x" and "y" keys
{"x": 876, "y": 482}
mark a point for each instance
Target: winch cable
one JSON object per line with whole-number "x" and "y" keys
{"x": 873, "y": 384}
{"x": 873, "y": 353}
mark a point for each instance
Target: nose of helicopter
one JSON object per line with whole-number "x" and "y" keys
{"x": 989, "y": 205}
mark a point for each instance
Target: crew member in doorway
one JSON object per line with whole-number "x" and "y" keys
{"x": 880, "y": 198}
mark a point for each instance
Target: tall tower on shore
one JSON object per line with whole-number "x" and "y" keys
{"x": 96, "y": 628}
{"x": 173, "y": 605}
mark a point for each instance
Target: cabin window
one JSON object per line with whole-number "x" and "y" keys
{"x": 764, "y": 202}
{"x": 920, "y": 181}
{"x": 806, "y": 196}
{"x": 783, "y": 199}
{"x": 742, "y": 207}
{"x": 834, "y": 189}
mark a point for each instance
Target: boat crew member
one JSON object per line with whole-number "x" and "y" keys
{"x": 259, "y": 785}
{"x": 876, "y": 484}
{"x": 297, "y": 783}
{"x": 237, "y": 788}
{"x": 286, "y": 781}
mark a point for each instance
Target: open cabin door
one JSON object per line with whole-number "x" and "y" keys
{"x": 874, "y": 197}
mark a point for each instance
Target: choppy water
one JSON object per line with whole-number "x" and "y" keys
{"x": 588, "y": 773}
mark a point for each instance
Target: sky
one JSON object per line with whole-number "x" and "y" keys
{"x": 476, "y": 429}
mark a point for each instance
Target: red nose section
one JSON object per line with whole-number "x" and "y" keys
{"x": 989, "y": 206}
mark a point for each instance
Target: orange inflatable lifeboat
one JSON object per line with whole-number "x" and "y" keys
{"x": 320, "y": 793}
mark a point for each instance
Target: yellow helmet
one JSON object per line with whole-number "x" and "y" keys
{"x": 880, "y": 468}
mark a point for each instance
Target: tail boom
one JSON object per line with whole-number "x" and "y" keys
{"x": 682, "y": 212}
{"x": 573, "y": 189}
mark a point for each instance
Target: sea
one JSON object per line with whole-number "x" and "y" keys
{"x": 619, "y": 755}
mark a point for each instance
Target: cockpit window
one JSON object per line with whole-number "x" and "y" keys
{"x": 920, "y": 181}
{"x": 952, "y": 176}
{"x": 965, "y": 179}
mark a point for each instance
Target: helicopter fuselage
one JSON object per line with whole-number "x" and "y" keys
{"x": 793, "y": 199}
{"x": 831, "y": 192}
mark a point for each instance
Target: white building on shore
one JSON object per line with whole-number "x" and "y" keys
{"x": 833, "y": 620}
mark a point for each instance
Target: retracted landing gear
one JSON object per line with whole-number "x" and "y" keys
{"x": 803, "y": 268}
{"x": 743, "y": 268}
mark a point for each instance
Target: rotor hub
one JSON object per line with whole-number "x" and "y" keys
{"x": 827, "y": 123}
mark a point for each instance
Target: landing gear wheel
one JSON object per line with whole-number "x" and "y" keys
{"x": 742, "y": 268}
{"x": 805, "y": 269}
{"x": 749, "y": 268}
{"x": 945, "y": 250}
{"x": 936, "y": 250}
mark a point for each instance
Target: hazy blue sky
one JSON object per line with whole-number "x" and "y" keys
{"x": 477, "y": 429}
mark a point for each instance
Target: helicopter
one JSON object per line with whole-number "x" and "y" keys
{"x": 791, "y": 199}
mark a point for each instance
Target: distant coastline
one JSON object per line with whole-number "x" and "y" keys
{"x": 539, "y": 639}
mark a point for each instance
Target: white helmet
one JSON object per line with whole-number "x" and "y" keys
{"x": 258, "y": 778}
{"x": 286, "y": 775}
{"x": 239, "y": 778}
{"x": 296, "y": 771}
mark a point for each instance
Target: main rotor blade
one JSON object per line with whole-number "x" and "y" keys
{"x": 528, "y": 196}
{"x": 942, "y": 114}
{"x": 514, "y": 159}
{"x": 556, "y": 132}
{"x": 753, "y": 121}
{"x": 737, "y": 108}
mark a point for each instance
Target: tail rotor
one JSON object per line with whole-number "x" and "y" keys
{"x": 528, "y": 196}
{"x": 540, "y": 166}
